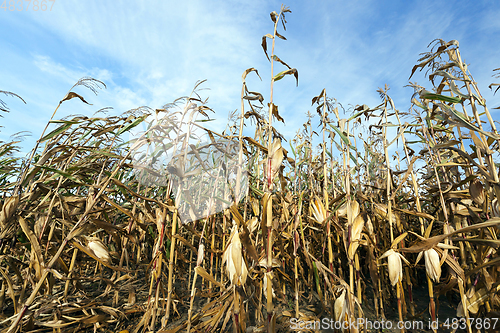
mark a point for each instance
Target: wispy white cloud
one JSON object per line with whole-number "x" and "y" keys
{"x": 149, "y": 53}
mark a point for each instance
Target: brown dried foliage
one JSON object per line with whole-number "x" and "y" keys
{"x": 83, "y": 246}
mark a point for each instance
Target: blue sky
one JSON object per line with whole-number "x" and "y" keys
{"x": 152, "y": 52}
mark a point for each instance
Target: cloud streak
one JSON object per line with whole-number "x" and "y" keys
{"x": 150, "y": 53}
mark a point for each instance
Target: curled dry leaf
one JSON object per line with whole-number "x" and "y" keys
{"x": 71, "y": 95}
{"x": 275, "y": 112}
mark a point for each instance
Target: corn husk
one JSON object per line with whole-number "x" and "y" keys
{"x": 432, "y": 264}
{"x": 8, "y": 210}
{"x": 274, "y": 161}
{"x": 352, "y": 211}
{"x": 369, "y": 226}
{"x": 473, "y": 302}
{"x": 494, "y": 208}
{"x": 233, "y": 258}
{"x": 340, "y": 307}
{"x": 342, "y": 211}
{"x": 395, "y": 265}
{"x": 252, "y": 224}
{"x": 381, "y": 210}
{"x": 99, "y": 249}
{"x": 268, "y": 276}
{"x": 356, "y": 229}
{"x": 476, "y": 192}
{"x": 318, "y": 210}
{"x": 395, "y": 268}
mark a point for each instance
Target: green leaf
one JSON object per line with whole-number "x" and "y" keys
{"x": 419, "y": 104}
{"x": 432, "y": 96}
{"x": 460, "y": 118}
{"x": 60, "y": 172}
{"x": 316, "y": 278}
{"x": 64, "y": 122}
{"x": 55, "y": 132}
{"x": 203, "y": 120}
{"x": 353, "y": 158}
{"x": 292, "y": 71}
{"x": 343, "y": 136}
{"x": 132, "y": 125}
{"x": 356, "y": 115}
{"x": 256, "y": 190}
{"x": 293, "y": 150}
{"x": 106, "y": 153}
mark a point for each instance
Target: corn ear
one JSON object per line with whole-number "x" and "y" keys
{"x": 432, "y": 265}
{"x": 235, "y": 265}
{"x": 99, "y": 249}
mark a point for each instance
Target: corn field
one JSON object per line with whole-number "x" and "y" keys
{"x": 389, "y": 202}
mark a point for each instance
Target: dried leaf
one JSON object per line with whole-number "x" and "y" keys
{"x": 71, "y": 95}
